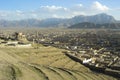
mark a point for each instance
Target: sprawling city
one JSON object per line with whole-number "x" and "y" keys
{"x": 59, "y": 40}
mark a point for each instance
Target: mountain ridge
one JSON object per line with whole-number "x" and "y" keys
{"x": 59, "y": 22}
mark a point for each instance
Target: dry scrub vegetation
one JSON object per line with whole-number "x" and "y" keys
{"x": 44, "y": 63}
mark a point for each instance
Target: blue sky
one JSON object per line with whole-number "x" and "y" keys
{"x": 41, "y": 9}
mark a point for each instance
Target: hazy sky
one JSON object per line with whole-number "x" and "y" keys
{"x": 41, "y": 9}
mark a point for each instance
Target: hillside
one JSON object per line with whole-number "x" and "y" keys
{"x": 44, "y": 63}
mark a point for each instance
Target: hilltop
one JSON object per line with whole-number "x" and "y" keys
{"x": 45, "y": 63}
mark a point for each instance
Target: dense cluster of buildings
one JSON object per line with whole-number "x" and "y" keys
{"x": 98, "y": 60}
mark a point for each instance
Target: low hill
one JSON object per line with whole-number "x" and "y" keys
{"x": 87, "y": 25}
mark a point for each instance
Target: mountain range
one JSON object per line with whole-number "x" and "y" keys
{"x": 99, "y": 19}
